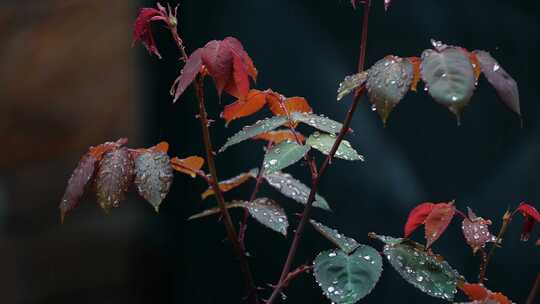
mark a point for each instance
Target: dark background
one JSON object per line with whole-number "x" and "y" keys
{"x": 301, "y": 48}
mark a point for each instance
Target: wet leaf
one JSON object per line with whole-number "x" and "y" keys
{"x": 261, "y": 126}
{"x": 283, "y": 155}
{"x": 190, "y": 165}
{"x": 289, "y": 105}
{"x": 187, "y": 76}
{"x": 449, "y": 76}
{"x": 344, "y": 243}
{"x": 217, "y": 210}
{"x": 281, "y": 135}
{"x": 320, "y": 122}
{"x": 228, "y": 184}
{"x": 476, "y": 232}
{"x": 387, "y": 83}
{"x": 347, "y": 278}
{"x": 530, "y": 217}
{"x": 438, "y": 220}
{"x": 325, "y": 142}
{"x": 350, "y": 84}
{"x": 417, "y": 217}
{"x": 294, "y": 189}
{"x": 76, "y": 185}
{"x": 504, "y": 84}
{"x": 478, "y": 292}
{"x": 426, "y": 272}
{"x": 252, "y": 103}
{"x": 101, "y": 149}
{"x": 153, "y": 177}
{"x": 113, "y": 178}
{"x": 269, "y": 213}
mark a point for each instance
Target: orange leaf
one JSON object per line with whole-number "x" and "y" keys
{"x": 438, "y": 220}
{"x": 228, "y": 184}
{"x": 253, "y": 102}
{"x": 475, "y": 291}
{"x": 190, "y": 165}
{"x": 499, "y": 298}
{"x": 280, "y": 135}
{"x": 99, "y": 150}
{"x": 289, "y": 105}
{"x": 161, "y": 147}
{"x": 415, "y": 61}
{"x": 476, "y": 65}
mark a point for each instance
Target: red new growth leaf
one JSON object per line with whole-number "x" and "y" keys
{"x": 228, "y": 184}
{"x": 188, "y": 74}
{"x": 438, "y": 220}
{"x": 279, "y": 106}
{"x": 476, "y": 65}
{"x": 531, "y": 215}
{"x": 280, "y": 135}
{"x": 480, "y": 294}
{"x": 415, "y": 61}
{"x": 142, "y": 28}
{"x": 476, "y": 231}
{"x": 229, "y": 65}
{"x": 417, "y": 217}
{"x": 114, "y": 177}
{"x": 252, "y": 103}
{"x": 190, "y": 165}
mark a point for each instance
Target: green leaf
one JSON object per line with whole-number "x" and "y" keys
{"x": 504, "y": 84}
{"x": 283, "y": 155}
{"x": 449, "y": 76}
{"x": 346, "y": 244}
{"x": 423, "y": 270}
{"x": 216, "y": 210}
{"x": 261, "y": 126}
{"x": 386, "y": 239}
{"x": 269, "y": 213}
{"x": 153, "y": 176}
{"x": 324, "y": 143}
{"x": 387, "y": 83}
{"x": 347, "y": 278}
{"x": 293, "y": 188}
{"x": 320, "y": 122}
{"x": 350, "y": 83}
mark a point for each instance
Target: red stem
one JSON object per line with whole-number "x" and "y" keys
{"x": 534, "y": 291}
{"x": 317, "y": 176}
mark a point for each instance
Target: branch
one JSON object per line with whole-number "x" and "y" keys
{"x": 507, "y": 218}
{"x": 317, "y": 176}
{"x": 534, "y": 291}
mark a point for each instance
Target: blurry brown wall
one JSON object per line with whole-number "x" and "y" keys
{"x": 66, "y": 82}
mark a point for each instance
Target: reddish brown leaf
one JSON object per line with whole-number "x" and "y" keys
{"x": 530, "y": 217}
{"x": 280, "y": 135}
{"x": 415, "y": 61}
{"x": 114, "y": 177}
{"x": 80, "y": 177}
{"x": 475, "y": 64}
{"x": 190, "y": 165}
{"x": 417, "y": 217}
{"x": 142, "y": 31}
{"x": 289, "y": 105}
{"x": 228, "y": 184}
{"x": 475, "y": 291}
{"x": 253, "y": 102}
{"x": 189, "y": 73}
{"x": 476, "y": 231}
{"x": 217, "y": 58}
{"x": 99, "y": 150}
{"x": 238, "y": 49}
{"x": 153, "y": 175}
{"x": 438, "y": 220}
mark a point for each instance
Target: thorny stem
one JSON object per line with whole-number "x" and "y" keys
{"x": 534, "y": 291}
{"x": 316, "y": 177}
{"x": 507, "y": 217}
{"x": 483, "y": 266}
{"x": 252, "y": 297}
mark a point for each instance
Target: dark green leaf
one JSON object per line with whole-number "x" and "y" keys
{"x": 269, "y": 213}
{"x": 346, "y": 244}
{"x": 262, "y": 126}
{"x": 283, "y": 155}
{"x": 320, "y": 122}
{"x": 324, "y": 143}
{"x": 347, "y": 278}
{"x": 351, "y": 83}
{"x": 293, "y": 188}
{"x": 153, "y": 176}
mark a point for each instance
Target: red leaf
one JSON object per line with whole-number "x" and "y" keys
{"x": 188, "y": 74}
{"x": 238, "y": 49}
{"x": 417, "y": 217}
{"x": 114, "y": 177}
{"x": 253, "y": 102}
{"x": 476, "y": 232}
{"x": 289, "y": 105}
{"x": 438, "y": 220}
{"x": 475, "y": 291}
{"x": 80, "y": 177}
{"x": 530, "y": 216}
{"x": 217, "y": 57}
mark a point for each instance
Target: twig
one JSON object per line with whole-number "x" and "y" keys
{"x": 483, "y": 266}
{"x": 507, "y": 218}
{"x": 534, "y": 291}
{"x": 317, "y": 176}
{"x": 251, "y": 290}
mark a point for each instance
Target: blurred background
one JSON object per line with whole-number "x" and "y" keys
{"x": 71, "y": 79}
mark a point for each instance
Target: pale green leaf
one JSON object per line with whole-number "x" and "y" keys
{"x": 293, "y": 188}
{"x": 346, "y": 244}
{"x": 283, "y": 155}
{"x": 320, "y": 122}
{"x": 261, "y": 126}
{"x": 351, "y": 83}
{"x": 345, "y": 279}
{"x": 324, "y": 143}
{"x": 269, "y": 213}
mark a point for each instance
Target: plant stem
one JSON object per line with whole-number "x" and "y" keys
{"x": 251, "y": 290}
{"x": 483, "y": 266}
{"x": 317, "y": 176}
{"x": 534, "y": 291}
{"x": 507, "y": 218}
